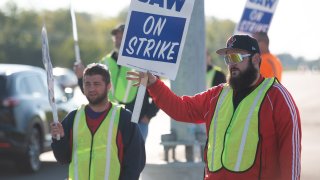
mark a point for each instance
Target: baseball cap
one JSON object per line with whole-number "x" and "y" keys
{"x": 240, "y": 42}
{"x": 119, "y": 28}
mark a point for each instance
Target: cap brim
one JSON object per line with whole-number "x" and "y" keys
{"x": 225, "y": 51}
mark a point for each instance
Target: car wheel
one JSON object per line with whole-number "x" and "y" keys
{"x": 30, "y": 162}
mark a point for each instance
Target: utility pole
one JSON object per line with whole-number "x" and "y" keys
{"x": 191, "y": 77}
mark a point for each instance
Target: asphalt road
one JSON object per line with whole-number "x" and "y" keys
{"x": 50, "y": 170}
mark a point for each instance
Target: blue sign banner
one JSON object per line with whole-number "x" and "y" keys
{"x": 256, "y": 16}
{"x": 153, "y": 37}
{"x": 254, "y": 20}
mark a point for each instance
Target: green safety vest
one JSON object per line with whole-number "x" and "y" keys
{"x": 211, "y": 74}
{"x": 95, "y": 157}
{"x": 122, "y": 90}
{"x": 234, "y": 134}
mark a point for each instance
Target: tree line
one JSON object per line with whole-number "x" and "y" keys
{"x": 20, "y": 36}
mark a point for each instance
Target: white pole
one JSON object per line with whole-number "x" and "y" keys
{"x": 139, "y": 100}
{"x": 75, "y": 34}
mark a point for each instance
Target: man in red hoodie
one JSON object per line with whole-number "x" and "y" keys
{"x": 253, "y": 124}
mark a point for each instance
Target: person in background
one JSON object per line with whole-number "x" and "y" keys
{"x": 98, "y": 140}
{"x": 270, "y": 65}
{"x": 122, "y": 91}
{"x": 253, "y": 124}
{"x": 215, "y": 75}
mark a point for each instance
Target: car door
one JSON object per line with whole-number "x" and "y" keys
{"x": 33, "y": 93}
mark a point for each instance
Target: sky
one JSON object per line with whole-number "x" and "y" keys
{"x": 294, "y": 27}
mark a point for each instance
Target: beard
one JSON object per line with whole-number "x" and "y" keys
{"x": 98, "y": 100}
{"x": 245, "y": 78}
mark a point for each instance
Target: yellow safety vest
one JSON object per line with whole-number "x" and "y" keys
{"x": 95, "y": 157}
{"x": 234, "y": 134}
{"x": 211, "y": 74}
{"x": 122, "y": 90}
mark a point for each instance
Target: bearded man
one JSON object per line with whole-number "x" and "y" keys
{"x": 98, "y": 140}
{"x": 253, "y": 124}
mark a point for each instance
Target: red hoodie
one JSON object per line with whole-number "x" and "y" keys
{"x": 279, "y": 149}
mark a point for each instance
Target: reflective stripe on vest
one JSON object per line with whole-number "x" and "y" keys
{"x": 234, "y": 135}
{"x": 95, "y": 158}
{"x": 122, "y": 90}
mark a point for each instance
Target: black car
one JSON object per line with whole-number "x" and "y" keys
{"x": 25, "y": 114}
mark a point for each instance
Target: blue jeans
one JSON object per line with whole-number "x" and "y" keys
{"x": 144, "y": 130}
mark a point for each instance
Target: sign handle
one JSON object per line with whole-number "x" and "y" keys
{"x": 139, "y": 100}
{"x": 75, "y": 34}
{"x": 55, "y": 118}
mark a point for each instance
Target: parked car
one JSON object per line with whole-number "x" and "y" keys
{"x": 25, "y": 114}
{"x": 66, "y": 78}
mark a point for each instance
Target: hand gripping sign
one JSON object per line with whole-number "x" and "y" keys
{"x": 256, "y": 17}
{"x": 50, "y": 80}
{"x": 154, "y": 38}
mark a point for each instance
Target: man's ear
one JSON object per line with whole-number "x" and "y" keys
{"x": 256, "y": 59}
{"x": 109, "y": 86}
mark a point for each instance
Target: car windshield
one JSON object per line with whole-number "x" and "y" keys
{"x": 3, "y": 88}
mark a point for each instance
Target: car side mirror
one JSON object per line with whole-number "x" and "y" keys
{"x": 69, "y": 93}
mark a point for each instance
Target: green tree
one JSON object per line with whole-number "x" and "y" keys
{"x": 20, "y": 36}
{"x": 217, "y": 33}
{"x": 17, "y": 36}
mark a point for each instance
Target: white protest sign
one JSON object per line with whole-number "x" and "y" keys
{"x": 50, "y": 79}
{"x": 155, "y": 35}
{"x": 256, "y": 17}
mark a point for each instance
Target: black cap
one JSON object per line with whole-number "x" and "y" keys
{"x": 119, "y": 28}
{"x": 240, "y": 42}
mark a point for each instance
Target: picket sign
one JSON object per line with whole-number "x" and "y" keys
{"x": 153, "y": 40}
{"x": 256, "y": 16}
{"x": 50, "y": 79}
